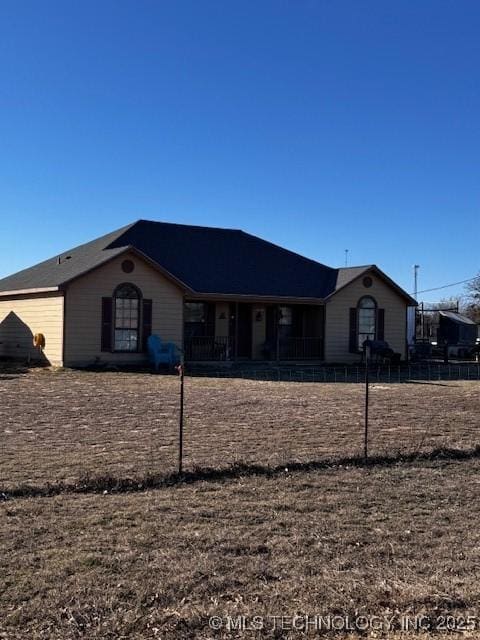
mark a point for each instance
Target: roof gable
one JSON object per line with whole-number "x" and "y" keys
{"x": 347, "y": 275}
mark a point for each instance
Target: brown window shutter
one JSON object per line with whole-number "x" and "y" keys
{"x": 106, "y": 342}
{"x": 381, "y": 324}
{"x": 353, "y": 330}
{"x": 146, "y": 322}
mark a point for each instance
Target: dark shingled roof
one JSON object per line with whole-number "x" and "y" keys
{"x": 72, "y": 264}
{"x": 206, "y": 260}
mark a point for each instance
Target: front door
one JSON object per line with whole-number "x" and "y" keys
{"x": 244, "y": 331}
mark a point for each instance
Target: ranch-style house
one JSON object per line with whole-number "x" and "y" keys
{"x": 218, "y": 294}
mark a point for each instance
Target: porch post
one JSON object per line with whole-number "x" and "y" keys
{"x": 277, "y": 331}
{"x": 235, "y": 351}
{"x": 323, "y": 320}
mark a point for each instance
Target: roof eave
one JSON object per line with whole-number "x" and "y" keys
{"x": 250, "y": 297}
{"x": 21, "y": 292}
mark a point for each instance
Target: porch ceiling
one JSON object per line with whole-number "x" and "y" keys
{"x": 213, "y": 297}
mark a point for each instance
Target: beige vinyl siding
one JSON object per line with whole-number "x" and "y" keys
{"x": 21, "y": 317}
{"x": 337, "y": 318}
{"x": 83, "y": 310}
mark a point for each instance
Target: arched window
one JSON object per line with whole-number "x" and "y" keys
{"x": 126, "y": 300}
{"x": 366, "y": 320}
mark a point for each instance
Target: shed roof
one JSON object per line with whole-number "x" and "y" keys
{"x": 456, "y": 317}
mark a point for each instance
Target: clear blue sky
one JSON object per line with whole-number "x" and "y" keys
{"x": 320, "y": 125}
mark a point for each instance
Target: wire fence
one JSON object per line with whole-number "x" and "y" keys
{"x": 420, "y": 371}
{"x": 74, "y": 427}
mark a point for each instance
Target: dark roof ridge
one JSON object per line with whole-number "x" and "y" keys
{"x": 184, "y": 224}
{"x": 245, "y": 233}
{"x": 289, "y": 251}
{"x": 116, "y": 232}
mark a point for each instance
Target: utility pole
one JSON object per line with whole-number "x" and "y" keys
{"x": 416, "y": 267}
{"x": 346, "y": 257}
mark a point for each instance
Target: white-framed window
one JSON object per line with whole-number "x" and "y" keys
{"x": 366, "y": 320}
{"x": 126, "y": 301}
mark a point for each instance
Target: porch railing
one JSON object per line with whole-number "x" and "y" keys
{"x": 300, "y": 348}
{"x": 217, "y": 348}
{"x": 208, "y": 348}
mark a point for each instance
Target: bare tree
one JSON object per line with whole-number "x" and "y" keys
{"x": 472, "y": 302}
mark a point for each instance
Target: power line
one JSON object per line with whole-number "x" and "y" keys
{"x": 446, "y": 286}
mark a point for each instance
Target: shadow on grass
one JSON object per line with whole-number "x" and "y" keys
{"x": 112, "y": 484}
{"x": 432, "y": 384}
{"x": 11, "y": 370}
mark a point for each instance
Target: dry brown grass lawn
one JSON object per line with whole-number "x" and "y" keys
{"x": 381, "y": 541}
{"x": 59, "y": 426}
{"x": 394, "y": 541}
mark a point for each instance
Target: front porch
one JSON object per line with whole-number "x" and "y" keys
{"x": 240, "y": 331}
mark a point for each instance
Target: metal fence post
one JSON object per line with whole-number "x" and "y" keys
{"x": 181, "y": 371}
{"x": 365, "y": 444}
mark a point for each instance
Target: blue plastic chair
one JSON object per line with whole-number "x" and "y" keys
{"x": 160, "y": 352}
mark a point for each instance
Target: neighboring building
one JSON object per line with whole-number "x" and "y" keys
{"x": 219, "y": 294}
{"x": 457, "y": 331}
